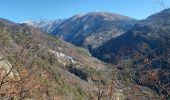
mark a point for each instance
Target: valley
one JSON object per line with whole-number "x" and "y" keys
{"x": 93, "y": 56}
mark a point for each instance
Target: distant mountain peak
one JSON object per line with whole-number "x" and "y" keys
{"x": 92, "y": 29}
{"x": 45, "y": 24}
{"x": 88, "y": 30}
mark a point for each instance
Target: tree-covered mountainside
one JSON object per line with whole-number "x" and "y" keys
{"x": 144, "y": 50}
{"x": 44, "y": 67}
{"x": 56, "y": 69}
{"x": 151, "y": 31}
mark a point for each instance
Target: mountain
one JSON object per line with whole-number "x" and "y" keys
{"x": 57, "y": 67}
{"x": 6, "y": 22}
{"x": 46, "y": 67}
{"x": 89, "y": 30}
{"x": 45, "y": 25}
{"x": 93, "y": 29}
{"x": 144, "y": 52}
{"x": 149, "y": 31}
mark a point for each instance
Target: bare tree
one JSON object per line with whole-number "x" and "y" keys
{"x": 25, "y": 84}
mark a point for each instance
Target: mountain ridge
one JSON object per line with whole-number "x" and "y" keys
{"x": 92, "y": 29}
{"x": 152, "y": 29}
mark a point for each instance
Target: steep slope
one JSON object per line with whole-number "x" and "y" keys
{"x": 50, "y": 68}
{"x": 93, "y": 29}
{"x": 149, "y": 31}
{"x": 144, "y": 51}
{"x": 64, "y": 70}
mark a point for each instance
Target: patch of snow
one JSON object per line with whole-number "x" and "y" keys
{"x": 85, "y": 27}
{"x": 28, "y": 22}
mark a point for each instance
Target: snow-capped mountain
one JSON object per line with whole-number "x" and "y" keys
{"x": 45, "y": 25}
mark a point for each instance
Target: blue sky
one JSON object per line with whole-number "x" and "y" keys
{"x": 20, "y": 10}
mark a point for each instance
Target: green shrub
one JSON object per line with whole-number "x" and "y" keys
{"x": 5, "y": 37}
